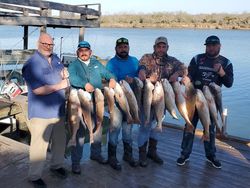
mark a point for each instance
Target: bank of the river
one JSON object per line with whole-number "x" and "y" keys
{"x": 177, "y": 20}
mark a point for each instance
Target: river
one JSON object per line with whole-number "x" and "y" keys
{"x": 183, "y": 44}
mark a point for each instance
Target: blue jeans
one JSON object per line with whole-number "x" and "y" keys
{"x": 126, "y": 134}
{"x": 77, "y": 151}
{"x": 147, "y": 131}
{"x": 188, "y": 138}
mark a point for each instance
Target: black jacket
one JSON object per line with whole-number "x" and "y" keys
{"x": 201, "y": 72}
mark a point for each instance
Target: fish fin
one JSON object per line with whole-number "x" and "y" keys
{"x": 205, "y": 138}
{"x": 189, "y": 128}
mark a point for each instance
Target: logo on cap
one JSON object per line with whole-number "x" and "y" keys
{"x": 121, "y": 41}
{"x": 212, "y": 40}
{"x": 83, "y": 44}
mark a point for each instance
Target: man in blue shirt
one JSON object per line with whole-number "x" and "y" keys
{"x": 124, "y": 67}
{"x": 46, "y": 78}
{"x": 87, "y": 73}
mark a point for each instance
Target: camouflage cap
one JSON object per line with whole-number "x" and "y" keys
{"x": 161, "y": 40}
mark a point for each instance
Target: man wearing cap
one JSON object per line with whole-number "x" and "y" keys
{"x": 124, "y": 67}
{"x": 204, "y": 69}
{"x": 154, "y": 67}
{"x": 87, "y": 73}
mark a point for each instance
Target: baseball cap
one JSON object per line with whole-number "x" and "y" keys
{"x": 122, "y": 41}
{"x": 83, "y": 44}
{"x": 161, "y": 40}
{"x": 212, "y": 40}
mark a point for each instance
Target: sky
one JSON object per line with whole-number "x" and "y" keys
{"x": 151, "y": 6}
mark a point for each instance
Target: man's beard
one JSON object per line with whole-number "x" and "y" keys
{"x": 123, "y": 55}
{"x": 213, "y": 55}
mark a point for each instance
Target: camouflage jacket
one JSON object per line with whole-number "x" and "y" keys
{"x": 163, "y": 67}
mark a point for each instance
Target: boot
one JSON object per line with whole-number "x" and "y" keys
{"x": 114, "y": 163}
{"x": 143, "y": 155}
{"x": 127, "y": 156}
{"x": 152, "y": 154}
{"x": 95, "y": 153}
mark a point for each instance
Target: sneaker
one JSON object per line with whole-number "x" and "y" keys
{"x": 39, "y": 183}
{"x": 59, "y": 172}
{"x": 76, "y": 169}
{"x": 182, "y": 160}
{"x": 216, "y": 163}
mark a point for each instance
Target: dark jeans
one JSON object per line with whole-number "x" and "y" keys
{"x": 77, "y": 151}
{"x": 188, "y": 138}
{"x": 126, "y": 134}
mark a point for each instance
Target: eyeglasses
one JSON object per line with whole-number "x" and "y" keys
{"x": 47, "y": 45}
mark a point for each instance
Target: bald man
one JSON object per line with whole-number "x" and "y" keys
{"x": 46, "y": 79}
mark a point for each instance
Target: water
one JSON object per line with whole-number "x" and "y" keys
{"x": 184, "y": 44}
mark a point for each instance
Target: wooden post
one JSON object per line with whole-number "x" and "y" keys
{"x": 81, "y": 34}
{"x": 81, "y": 29}
{"x": 25, "y": 37}
{"x": 43, "y": 29}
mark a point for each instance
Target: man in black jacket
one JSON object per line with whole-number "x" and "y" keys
{"x": 204, "y": 69}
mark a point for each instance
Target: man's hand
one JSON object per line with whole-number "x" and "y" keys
{"x": 173, "y": 77}
{"x": 129, "y": 79}
{"x": 219, "y": 69}
{"x": 112, "y": 83}
{"x": 64, "y": 73}
{"x": 89, "y": 88}
{"x": 185, "y": 80}
{"x": 153, "y": 78}
{"x": 142, "y": 75}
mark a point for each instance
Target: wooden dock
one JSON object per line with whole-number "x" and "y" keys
{"x": 235, "y": 172}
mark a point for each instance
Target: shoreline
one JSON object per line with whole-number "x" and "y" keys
{"x": 178, "y": 20}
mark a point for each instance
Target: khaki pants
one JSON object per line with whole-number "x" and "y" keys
{"x": 42, "y": 130}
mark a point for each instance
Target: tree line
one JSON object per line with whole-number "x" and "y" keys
{"x": 178, "y": 20}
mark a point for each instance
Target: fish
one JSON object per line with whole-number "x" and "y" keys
{"x": 190, "y": 95}
{"x": 74, "y": 116}
{"x": 203, "y": 113}
{"x": 137, "y": 89}
{"x": 87, "y": 109}
{"x": 212, "y": 107}
{"x": 169, "y": 98}
{"x": 158, "y": 104}
{"x": 132, "y": 102}
{"x": 99, "y": 106}
{"x": 216, "y": 91}
{"x": 123, "y": 102}
{"x": 115, "y": 115}
{"x": 180, "y": 102}
{"x": 147, "y": 100}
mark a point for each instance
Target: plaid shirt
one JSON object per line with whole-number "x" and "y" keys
{"x": 163, "y": 67}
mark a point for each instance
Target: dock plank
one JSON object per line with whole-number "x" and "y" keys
{"x": 235, "y": 172}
